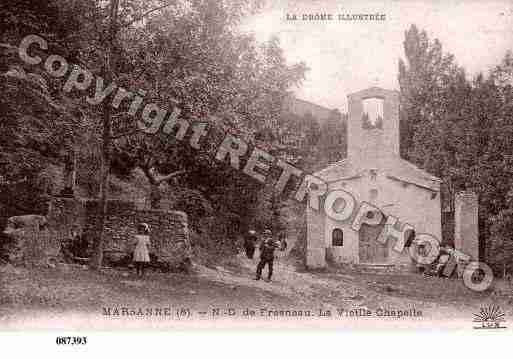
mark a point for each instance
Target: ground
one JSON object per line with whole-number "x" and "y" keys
{"x": 74, "y": 297}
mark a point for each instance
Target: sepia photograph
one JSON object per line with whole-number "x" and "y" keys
{"x": 255, "y": 164}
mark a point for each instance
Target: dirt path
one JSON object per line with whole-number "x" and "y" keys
{"x": 76, "y": 297}
{"x": 439, "y": 299}
{"x": 300, "y": 287}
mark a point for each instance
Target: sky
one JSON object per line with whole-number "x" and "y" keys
{"x": 348, "y": 56}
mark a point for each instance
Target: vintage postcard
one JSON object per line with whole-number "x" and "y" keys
{"x": 256, "y": 164}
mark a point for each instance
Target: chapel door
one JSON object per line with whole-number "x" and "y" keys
{"x": 370, "y": 250}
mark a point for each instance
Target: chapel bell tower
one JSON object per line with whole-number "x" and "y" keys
{"x": 373, "y": 126}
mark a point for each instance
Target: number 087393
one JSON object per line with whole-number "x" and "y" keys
{"x": 71, "y": 340}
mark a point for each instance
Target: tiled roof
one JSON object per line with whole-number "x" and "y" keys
{"x": 337, "y": 171}
{"x": 399, "y": 169}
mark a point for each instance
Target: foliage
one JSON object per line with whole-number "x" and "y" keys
{"x": 185, "y": 54}
{"x": 500, "y": 250}
{"x": 333, "y": 141}
{"x": 460, "y": 130}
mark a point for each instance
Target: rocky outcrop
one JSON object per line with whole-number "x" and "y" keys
{"x": 28, "y": 240}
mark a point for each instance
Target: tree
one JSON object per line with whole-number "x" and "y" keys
{"x": 202, "y": 66}
{"x": 108, "y": 71}
{"x": 500, "y": 248}
{"x": 461, "y": 131}
{"x": 184, "y": 55}
{"x": 434, "y": 98}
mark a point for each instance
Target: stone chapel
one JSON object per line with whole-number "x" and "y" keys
{"x": 374, "y": 172}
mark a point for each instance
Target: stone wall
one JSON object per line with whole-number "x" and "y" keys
{"x": 169, "y": 229}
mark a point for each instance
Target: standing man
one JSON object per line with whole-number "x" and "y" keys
{"x": 250, "y": 243}
{"x": 267, "y": 255}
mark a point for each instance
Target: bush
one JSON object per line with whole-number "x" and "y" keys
{"x": 499, "y": 251}
{"x": 212, "y": 242}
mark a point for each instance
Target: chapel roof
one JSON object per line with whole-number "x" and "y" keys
{"x": 400, "y": 170}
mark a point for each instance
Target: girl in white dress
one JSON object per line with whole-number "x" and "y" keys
{"x": 141, "y": 251}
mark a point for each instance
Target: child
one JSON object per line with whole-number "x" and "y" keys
{"x": 141, "y": 252}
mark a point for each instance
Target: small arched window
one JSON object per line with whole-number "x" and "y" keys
{"x": 337, "y": 238}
